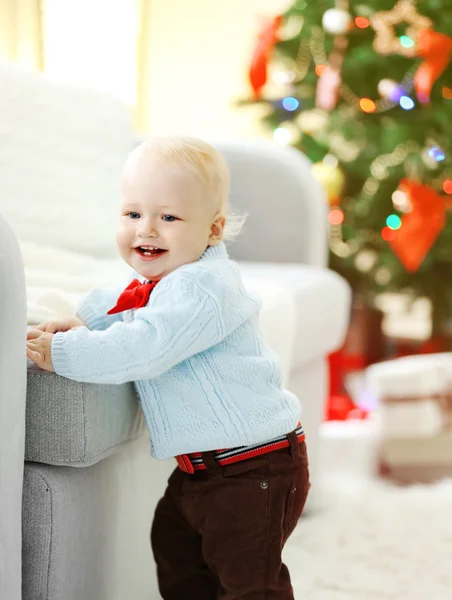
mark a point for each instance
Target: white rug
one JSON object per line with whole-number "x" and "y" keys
{"x": 375, "y": 541}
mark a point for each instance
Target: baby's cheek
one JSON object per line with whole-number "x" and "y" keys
{"x": 122, "y": 236}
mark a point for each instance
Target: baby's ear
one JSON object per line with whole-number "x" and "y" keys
{"x": 216, "y": 230}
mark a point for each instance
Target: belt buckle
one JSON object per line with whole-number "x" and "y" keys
{"x": 185, "y": 464}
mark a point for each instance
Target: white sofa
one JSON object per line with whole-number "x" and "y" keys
{"x": 89, "y": 485}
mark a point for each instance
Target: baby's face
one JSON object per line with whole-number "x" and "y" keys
{"x": 166, "y": 220}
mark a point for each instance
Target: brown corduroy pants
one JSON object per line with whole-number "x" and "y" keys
{"x": 218, "y": 534}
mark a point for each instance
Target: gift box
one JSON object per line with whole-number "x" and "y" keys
{"x": 414, "y": 413}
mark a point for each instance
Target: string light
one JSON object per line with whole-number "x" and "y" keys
{"x": 406, "y": 41}
{"x": 387, "y": 88}
{"x": 398, "y": 198}
{"x": 282, "y": 136}
{"x": 370, "y": 187}
{"x": 362, "y": 22}
{"x": 393, "y": 222}
{"x": 406, "y": 102}
{"x": 447, "y": 186}
{"x": 397, "y": 93}
{"x": 346, "y": 150}
{"x": 283, "y": 77}
{"x": 367, "y": 105}
{"x": 290, "y": 103}
{"x": 388, "y": 234}
{"x": 383, "y": 276}
{"x": 436, "y": 153}
{"x": 378, "y": 168}
{"x": 330, "y": 161}
{"x": 365, "y": 260}
{"x": 401, "y": 202}
{"x": 447, "y": 93}
{"x": 335, "y": 216}
{"x": 303, "y": 59}
{"x": 319, "y": 70}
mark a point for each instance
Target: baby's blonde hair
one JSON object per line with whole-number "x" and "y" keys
{"x": 208, "y": 164}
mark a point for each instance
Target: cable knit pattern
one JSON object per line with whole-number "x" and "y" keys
{"x": 195, "y": 352}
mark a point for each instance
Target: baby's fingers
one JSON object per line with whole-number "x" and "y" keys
{"x": 34, "y": 355}
{"x": 52, "y": 326}
{"x": 33, "y": 334}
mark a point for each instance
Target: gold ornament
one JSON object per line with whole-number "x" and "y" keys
{"x": 384, "y": 22}
{"x": 332, "y": 179}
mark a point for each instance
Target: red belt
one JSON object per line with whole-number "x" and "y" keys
{"x": 189, "y": 463}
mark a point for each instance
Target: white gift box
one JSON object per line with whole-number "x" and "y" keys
{"x": 414, "y": 415}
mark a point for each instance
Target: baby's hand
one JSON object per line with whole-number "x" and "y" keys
{"x": 39, "y": 348}
{"x": 60, "y": 325}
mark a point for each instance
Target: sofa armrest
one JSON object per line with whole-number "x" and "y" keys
{"x": 12, "y": 410}
{"x": 77, "y": 424}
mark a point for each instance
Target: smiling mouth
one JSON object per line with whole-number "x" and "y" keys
{"x": 149, "y": 251}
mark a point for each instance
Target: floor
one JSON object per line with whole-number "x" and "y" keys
{"x": 372, "y": 540}
{"x": 368, "y": 539}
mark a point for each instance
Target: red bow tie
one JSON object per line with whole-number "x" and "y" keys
{"x": 136, "y": 295}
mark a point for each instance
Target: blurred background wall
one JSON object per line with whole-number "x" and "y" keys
{"x": 179, "y": 64}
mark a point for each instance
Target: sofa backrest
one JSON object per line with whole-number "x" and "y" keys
{"x": 286, "y": 206}
{"x": 62, "y": 149}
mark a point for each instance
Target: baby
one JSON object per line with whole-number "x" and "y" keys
{"x": 185, "y": 331}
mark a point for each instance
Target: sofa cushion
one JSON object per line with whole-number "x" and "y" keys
{"x": 322, "y": 302}
{"x": 77, "y": 424}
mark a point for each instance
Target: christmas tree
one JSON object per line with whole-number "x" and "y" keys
{"x": 365, "y": 90}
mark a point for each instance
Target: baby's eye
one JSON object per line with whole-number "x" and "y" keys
{"x": 134, "y": 215}
{"x": 169, "y": 218}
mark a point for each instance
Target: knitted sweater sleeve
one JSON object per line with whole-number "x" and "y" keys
{"x": 94, "y": 306}
{"x": 183, "y": 317}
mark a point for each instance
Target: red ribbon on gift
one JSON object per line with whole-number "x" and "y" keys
{"x": 262, "y": 53}
{"x": 436, "y": 49}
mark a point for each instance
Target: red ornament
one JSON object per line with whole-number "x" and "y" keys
{"x": 421, "y": 226}
{"x": 262, "y": 53}
{"x": 388, "y": 234}
{"x": 436, "y": 49}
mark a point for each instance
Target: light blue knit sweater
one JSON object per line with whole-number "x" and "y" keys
{"x": 204, "y": 377}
